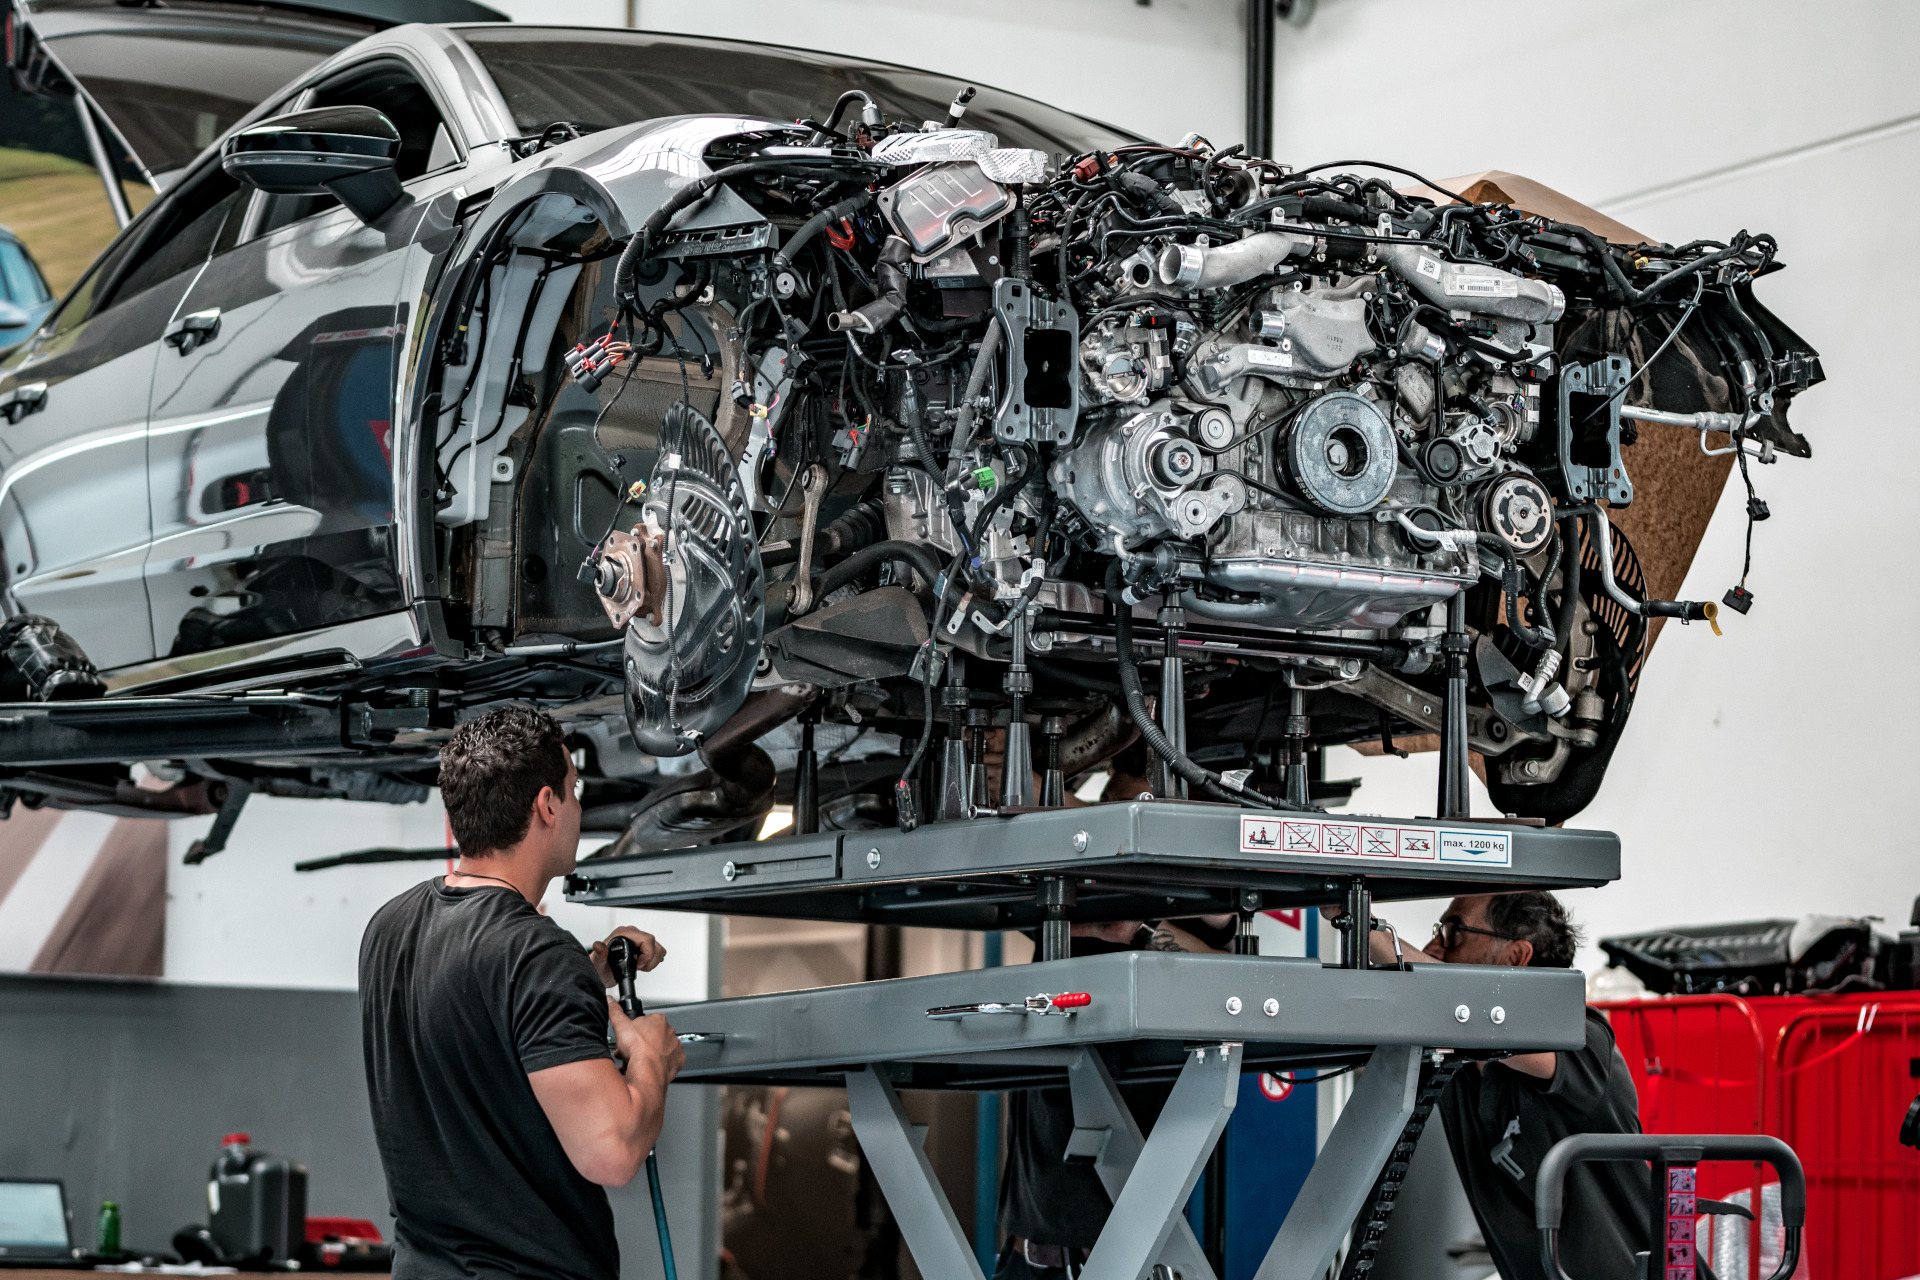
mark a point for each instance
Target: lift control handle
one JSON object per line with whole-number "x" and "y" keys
{"x": 1044, "y": 1005}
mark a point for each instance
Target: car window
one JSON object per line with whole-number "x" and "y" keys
{"x": 392, "y": 90}
{"x": 17, "y": 273}
{"x": 599, "y": 79}
{"x": 190, "y": 220}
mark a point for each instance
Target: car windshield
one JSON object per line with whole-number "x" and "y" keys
{"x": 599, "y": 79}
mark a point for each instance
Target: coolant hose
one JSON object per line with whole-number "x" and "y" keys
{"x": 812, "y": 227}
{"x": 917, "y": 555}
{"x": 1196, "y": 775}
{"x": 640, "y": 243}
{"x": 891, "y": 272}
{"x": 1512, "y": 582}
{"x": 976, "y": 383}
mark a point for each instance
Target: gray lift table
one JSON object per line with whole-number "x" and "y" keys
{"x": 1093, "y": 1021}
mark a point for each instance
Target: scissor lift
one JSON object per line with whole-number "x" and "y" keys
{"x": 1092, "y": 1022}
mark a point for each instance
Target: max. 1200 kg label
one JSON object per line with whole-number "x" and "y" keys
{"x": 1315, "y": 837}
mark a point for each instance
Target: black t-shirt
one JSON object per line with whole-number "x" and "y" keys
{"x": 1042, "y": 1197}
{"x": 1501, "y": 1123}
{"x": 463, "y": 992}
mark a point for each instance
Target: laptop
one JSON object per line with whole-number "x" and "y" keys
{"x": 35, "y": 1229}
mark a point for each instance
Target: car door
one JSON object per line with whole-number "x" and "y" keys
{"x": 270, "y": 441}
{"x": 74, "y": 523}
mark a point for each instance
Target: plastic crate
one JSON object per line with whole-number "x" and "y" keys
{"x": 1830, "y": 1075}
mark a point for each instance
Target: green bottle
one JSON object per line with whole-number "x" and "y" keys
{"x": 109, "y": 1240}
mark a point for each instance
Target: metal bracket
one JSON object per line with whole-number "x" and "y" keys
{"x": 1345, "y": 1170}
{"x": 1593, "y": 430}
{"x": 238, "y": 789}
{"x": 1041, "y": 396}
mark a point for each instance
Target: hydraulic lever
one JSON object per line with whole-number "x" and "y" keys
{"x": 625, "y": 958}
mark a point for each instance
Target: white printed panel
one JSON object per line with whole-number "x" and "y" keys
{"x": 1482, "y": 848}
{"x": 1333, "y": 839}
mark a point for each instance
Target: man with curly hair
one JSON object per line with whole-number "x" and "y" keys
{"x": 1502, "y": 1117}
{"x": 499, "y": 1111}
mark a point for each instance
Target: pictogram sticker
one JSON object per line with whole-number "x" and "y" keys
{"x": 1416, "y": 842}
{"x": 1300, "y": 837}
{"x": 1339, "y": 838}
{"x": 1379, "y": 842}
{"x": 1483, "y": 848}
{"x": 1276, "y": 1085}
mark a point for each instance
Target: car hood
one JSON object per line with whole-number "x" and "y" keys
{"x": 171, "y": 80}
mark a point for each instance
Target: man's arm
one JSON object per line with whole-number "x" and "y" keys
{"x": 607, "y": 1122}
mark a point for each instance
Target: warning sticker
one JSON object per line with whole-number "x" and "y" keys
{"x": 1483, "y": 848}
{"x": 1300, "y": 837}
{"x": 1335, "y": 838}
{"x": 1285, "y": 835}
{"x": 1417, "y": 842}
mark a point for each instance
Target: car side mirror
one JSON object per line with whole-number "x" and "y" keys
{"x": 346, "y": 151}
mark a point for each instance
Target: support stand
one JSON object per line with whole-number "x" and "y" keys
{"x": 1173, "y": 701}
{"x": 1299, "y": 731}
{"x": 1053, "y": 785}
{"x": 1016, "y": 767}
{"x": 1455, "y": 797}
{"x": 806, "y": 780}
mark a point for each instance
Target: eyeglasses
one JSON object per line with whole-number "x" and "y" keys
{"x": 1449, "y": 931}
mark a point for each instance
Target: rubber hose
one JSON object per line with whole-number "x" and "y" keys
{"x": 1510, "y": 579}
{"x": 917, "y": 555}
{"x": 1195, "y": 775}
{"x": 891, "y": 273}
{"x": 812, "y": 227}
{"x": 976, "y": 383}
{"x": 640, "y": 243}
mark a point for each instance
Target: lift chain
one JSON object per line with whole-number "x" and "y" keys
{"x": 1370, "y": 1228}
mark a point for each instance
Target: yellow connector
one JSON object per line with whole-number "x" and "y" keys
{"x": 1712, "y": 612}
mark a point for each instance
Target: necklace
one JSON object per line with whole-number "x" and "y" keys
{"x": 475, "y": 875}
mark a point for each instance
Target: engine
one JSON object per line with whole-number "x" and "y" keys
{"x": 993, "y": 432}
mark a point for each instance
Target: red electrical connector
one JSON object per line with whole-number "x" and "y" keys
{"x": 590, "y": 364}
{"x": 1073, "y": 1000}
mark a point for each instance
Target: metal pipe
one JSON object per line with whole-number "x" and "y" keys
{"x": 109, "y": 175}
{"x": 1260, "y": 77}
{"x": 1725, "y": 423}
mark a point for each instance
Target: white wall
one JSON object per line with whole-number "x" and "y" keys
{"x": 245, "y": 917}
{"x": 1761, "y": 773}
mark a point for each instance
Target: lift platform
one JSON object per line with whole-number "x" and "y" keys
{"x": 1093, "y": 1022}
{"x": 1137, "y": 860}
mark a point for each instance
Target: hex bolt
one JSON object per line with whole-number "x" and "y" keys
{"x": 1498, "y": 1014}
{"x": 1461, "y": 1013}
{"x": 1271, "y": 1008}
{"x": 873, "y": 859}
{"x": 1080, "y": 842}
{"x": 729, "y": 871}
{"x": 1233, "y": 1005}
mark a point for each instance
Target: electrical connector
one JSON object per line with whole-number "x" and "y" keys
{"x": 590, "y": 363}
{"x": 1738, "y": 599}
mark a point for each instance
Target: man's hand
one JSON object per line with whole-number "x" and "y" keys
{"x": 645, "y": 944}
{"x": 649, "y": 1042}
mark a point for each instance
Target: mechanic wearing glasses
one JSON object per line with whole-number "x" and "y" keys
{"x": 499, "y": 1112}
{"x": 1502, "y": 1117}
